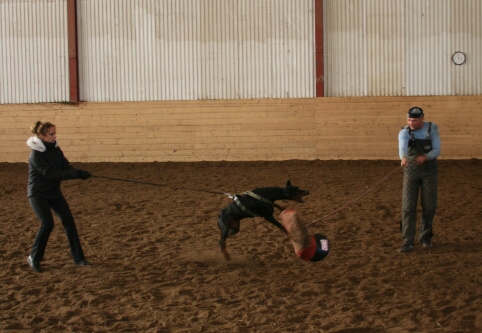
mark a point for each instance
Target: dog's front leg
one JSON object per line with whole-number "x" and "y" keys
{"x": 281, "y": 208}
{"x": 276, "y": 223}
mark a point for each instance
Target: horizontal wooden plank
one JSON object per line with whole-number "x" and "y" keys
{"x": 265, "y": 129}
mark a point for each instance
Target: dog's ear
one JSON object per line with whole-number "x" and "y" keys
{"x": 288, "y": 183}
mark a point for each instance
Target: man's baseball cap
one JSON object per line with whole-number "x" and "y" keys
{"x": 415, "y": 112}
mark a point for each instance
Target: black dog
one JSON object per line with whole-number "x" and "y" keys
{"x": 259, "y": 202}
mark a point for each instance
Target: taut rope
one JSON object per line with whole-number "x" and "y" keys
{"x": 356, "y": 199}
{"x": 161, "y": 185}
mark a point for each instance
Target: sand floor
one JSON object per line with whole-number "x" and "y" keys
{"x": 157, "y": 265}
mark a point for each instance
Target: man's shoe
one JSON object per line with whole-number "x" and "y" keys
{"x": 82, "y": 263}
{"x": 427, "y": 243}
{"x": 406, "y": 247}
{"x": 35, "y": 265}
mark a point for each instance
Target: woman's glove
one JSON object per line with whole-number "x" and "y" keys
{"x": 83, "y": 174}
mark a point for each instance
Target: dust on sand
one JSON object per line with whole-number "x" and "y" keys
{"x": 157, "y": 265}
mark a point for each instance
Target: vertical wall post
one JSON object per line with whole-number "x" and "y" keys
{"x": 320, "y": 70}
{"x": 73, "y": 63}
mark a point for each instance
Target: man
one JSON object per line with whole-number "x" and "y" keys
{"x": 419, "y": 147}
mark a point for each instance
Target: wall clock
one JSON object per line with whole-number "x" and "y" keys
{"x": 458, "y": 58}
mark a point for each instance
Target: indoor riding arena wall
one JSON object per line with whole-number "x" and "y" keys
{"x": 242, "y": 130}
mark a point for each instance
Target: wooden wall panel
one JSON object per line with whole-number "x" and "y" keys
{"x": 242, "y": 130}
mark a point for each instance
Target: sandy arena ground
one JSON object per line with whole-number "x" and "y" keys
{"x": 157, "y": 265}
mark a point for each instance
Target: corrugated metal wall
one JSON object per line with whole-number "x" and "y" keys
{"x": 137, "y": 50}
{"x": 33, "y": 51}
{"x": 402, "y": 47}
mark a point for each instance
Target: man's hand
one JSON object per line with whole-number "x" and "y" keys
{"x": 421, "y": 159}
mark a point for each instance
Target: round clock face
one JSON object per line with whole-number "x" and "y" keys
{"x": 458, "y": 58}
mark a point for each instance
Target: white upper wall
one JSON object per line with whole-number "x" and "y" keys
{"x": 402, "y": 47}
{"x": 34, "y": 59}
{"x": 195, "y": 49}
{"x": 149, "y": 50}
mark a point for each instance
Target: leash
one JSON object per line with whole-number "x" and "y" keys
{"x": 161, "y": 185}
{"x": 253, "y": 194}
{"x": 356, "y": 199}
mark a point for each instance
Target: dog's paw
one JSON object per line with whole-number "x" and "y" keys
{"x": 226, "y": 254}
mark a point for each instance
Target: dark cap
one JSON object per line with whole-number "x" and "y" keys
{"x": 415, "y": 112}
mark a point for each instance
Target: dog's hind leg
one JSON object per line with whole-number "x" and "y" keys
{"x": 233, "y": 229}
{"x": 222, "y": 244}
{"x": 223, "y": 227}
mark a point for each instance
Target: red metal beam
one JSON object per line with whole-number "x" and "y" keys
{"x": 320, "y": 70}
{"x": 73, "y": 63}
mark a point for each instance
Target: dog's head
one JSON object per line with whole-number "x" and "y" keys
{"x": 295, "y": 193}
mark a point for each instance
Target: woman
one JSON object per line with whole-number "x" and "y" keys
{"x": 47, "y": 167}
